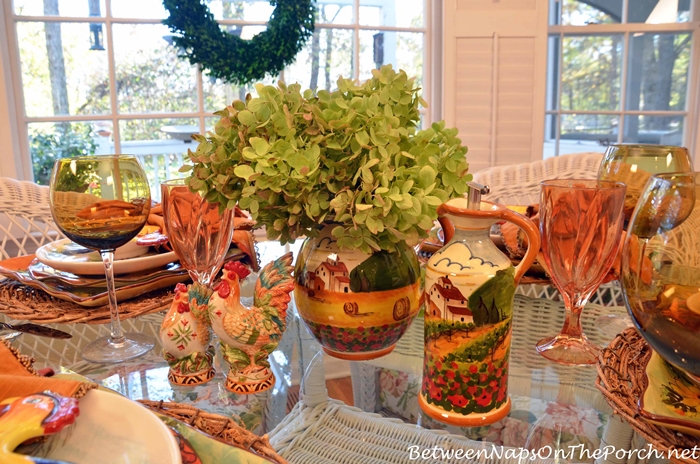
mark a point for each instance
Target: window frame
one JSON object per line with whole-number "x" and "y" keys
{"x": 690, "y": 114}
{"x": 19, "y": 121}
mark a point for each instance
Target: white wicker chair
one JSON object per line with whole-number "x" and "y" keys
{"x": 25, "y": 225}
{"x": 519, "y": 184}
{"x": 25, "y": 218}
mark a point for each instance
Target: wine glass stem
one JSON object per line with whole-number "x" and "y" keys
{"x": 572, "y": 323}
{"x": 116, "y": 336}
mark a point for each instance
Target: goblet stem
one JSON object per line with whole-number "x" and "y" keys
{"x": 117, "y": 335}
{"x": 572, "y": 322}
{"x": 118, "y": 346}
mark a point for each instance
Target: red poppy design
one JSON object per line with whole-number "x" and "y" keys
{"x": 472, "y": 390}
{"x": 435, "y": 392}
{"x": 458, "y": 400}
{"x": 502, "y": 392}
{"x": 484, "y": 399}
{"x": 473, "y": 369}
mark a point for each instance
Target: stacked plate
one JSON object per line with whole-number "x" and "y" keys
{"x": 73, "y": 273}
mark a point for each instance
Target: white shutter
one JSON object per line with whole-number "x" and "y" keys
{"x": 495, "y": 58}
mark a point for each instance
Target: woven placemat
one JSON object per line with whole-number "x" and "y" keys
{"x": 620, "y": 378}
{"x": 220, "y": 427}
{"x": 18, "y": 301}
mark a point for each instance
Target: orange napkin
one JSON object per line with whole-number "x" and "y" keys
{"x": 18, "y": 377}
{"x": 242, "y": 233}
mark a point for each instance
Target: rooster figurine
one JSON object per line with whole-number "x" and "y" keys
{"x": 249, "y": 335}
{"x": 186, "y": 336}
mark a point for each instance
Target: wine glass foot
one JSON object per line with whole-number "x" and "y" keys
{"x": 104, "y": 351}
{"x": 568, "y": 350}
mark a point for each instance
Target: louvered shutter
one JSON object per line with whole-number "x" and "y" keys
{"x": 495, "y": 58}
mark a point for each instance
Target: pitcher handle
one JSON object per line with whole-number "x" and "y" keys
{"x": 447, "y": 227}
{"x": 533, "y": 240}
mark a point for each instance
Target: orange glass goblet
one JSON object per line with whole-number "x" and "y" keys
{"x": 581, "y": 226}
{"x": 199, "y": 233}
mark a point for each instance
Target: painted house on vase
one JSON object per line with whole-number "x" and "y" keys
{"x": 450, "y": 301}
{"x": 331, "y": 275}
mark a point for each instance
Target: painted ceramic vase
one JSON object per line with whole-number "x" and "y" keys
{"x": 186, "y": 336}
{"x": 357, "y": 305}
{"x": 469, "y": 290}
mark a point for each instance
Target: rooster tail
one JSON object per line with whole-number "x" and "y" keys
{"x": 274, "y": 285}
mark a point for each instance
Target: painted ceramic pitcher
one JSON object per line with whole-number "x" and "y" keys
{"x": 469, "y": 290}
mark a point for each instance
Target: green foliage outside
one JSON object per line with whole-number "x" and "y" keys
{"x": 67, "y": 140}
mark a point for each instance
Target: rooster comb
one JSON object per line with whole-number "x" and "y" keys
{"x": 240, "y": 269}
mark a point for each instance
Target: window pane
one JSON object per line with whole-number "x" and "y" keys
{"x": 51, "y": 141}
{"x": 661, "y": 130}
{"x": 160, "y": 145}
{"x": 404, "y": 50}
{"x": 657, "y": 79}
{"x": 591, "y": 73}
{"x": 60, "y": 8}
{"x": 250, "y": 10}
{"x": 399, "y": 13}
{"x": 587, "y": 132}
{"x": 151, "y": 77}
{"x": 64, "y": 74}
{"x": 579, "y": 13}
{"x": 658, "y": 11}
{"x": 143, "y": 9}
{"x": 326, "y": 57}
{"x": 335, "y": 12}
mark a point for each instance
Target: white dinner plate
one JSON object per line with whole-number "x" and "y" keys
{"x": 65, "y": 255}
{"x": 112, "y": 429}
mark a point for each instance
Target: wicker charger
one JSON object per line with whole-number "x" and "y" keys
{"x": 621, "y": 380}
{"x": 18, "y": 301}
{"x": 222, "y": 428}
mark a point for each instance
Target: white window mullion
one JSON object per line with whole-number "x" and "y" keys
{"x": 200, "y": 99}
{"x": 24, "y": 164}
{"x": 356, "y": 40}
{"x": 623, "y": 83}
{"x": 112, "y": 78}
{"x": 560, "y": 73}
{"x": 692, "y": 122}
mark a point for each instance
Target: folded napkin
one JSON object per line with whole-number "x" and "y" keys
{"x": 516, "y": 243}
{"x": 18, "y": 377}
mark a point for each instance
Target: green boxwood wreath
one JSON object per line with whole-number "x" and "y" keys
{"x": 231, "y": 58}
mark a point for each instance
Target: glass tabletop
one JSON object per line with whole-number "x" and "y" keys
{"x": 551, "y": 404}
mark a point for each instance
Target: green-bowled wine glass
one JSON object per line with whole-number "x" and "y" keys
{"x": 102, "y": 202}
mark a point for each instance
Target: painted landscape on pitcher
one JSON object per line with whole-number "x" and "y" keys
{"x": 467, "y": 343}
